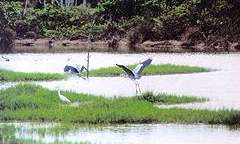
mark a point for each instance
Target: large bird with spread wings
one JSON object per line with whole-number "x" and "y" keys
{"x": 135, "y": 74}
{"x": 74, "y": 70}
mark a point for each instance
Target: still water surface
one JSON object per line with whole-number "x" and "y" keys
{"x": 129, "y": 134}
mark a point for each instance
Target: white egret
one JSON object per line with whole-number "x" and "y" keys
{"x": 63, "y": 98}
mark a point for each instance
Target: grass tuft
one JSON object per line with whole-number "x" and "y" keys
{"x": 7, "y": 75}
{"x": 169, "y": 99}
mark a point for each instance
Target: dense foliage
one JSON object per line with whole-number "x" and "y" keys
{"x": 151, "y": 19}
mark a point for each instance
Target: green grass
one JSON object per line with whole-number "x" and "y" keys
{"x": 8, "y": 135}
{"x": 26, "y": 102}
{"x": 161, "y": 69}
{"x": 7, "y": 75}
{"x": 169, "y": 99}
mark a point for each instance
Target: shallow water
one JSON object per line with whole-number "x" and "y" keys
{"x": 128, "y": 134}
{"x": 6, "y": 85}
{"x": 222, "y": 87}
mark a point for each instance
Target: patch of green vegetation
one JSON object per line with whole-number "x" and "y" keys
{"x": 161, "y": 69}
{"x": 7, "y": 75}
{"x": 8, "y": 136}
{"x": 26, "y": 102}
{"x": 169, "y": 99}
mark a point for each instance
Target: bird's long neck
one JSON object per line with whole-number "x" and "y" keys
{"x": 59, "y": 92}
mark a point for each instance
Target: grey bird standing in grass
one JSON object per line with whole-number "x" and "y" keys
{"x": 135, "y": 74}
{"x": 63, "y": 98}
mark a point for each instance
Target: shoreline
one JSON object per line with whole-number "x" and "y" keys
{"x": 167, "y": 46}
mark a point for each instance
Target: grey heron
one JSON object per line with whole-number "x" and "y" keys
{"x": 135, "y": 74}
{"x": 63, "y": 98}
{"x": 74, "y": 70}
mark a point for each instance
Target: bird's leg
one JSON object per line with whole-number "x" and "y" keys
{"x": 81, "y": 76}
{"x": 139, "y": 89}
{"x": 136, "y": 88}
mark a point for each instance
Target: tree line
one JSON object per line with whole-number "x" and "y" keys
{"x": 138, "y": 20}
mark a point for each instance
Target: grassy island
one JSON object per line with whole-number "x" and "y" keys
{"x": 8, "y": 75}
{"x": 26, "y": 102}
{"x": 161, "y": 69}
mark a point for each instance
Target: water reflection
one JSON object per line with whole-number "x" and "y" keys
{"x": 128, "y": 134}
{"x": 5, "y": 85}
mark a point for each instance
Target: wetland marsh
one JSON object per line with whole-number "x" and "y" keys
{"x": 112, "y": 100}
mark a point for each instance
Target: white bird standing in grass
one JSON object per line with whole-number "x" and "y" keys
{"x": 63, "y": 98}
{"x": 135, "y": 74}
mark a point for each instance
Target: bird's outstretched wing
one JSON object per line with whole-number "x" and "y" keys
{"x": 127, "y": 70}
{"x": 82, "y": 69}
{"x": 139, "y": 68}
{"x": 66, "y": 68}
{"x": 70, "y": 69}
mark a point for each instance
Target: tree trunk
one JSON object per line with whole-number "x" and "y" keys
{"x": 26, "y": 2}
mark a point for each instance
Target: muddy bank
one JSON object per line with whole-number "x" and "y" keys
{"x": 43, "y": 46}
{"x": 182, "y": 46}
{"x": 46, "y": 45}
